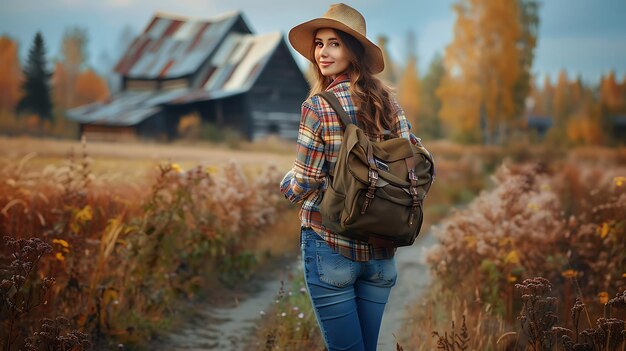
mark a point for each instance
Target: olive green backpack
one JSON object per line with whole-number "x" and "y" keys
{"x": 377, "y": 189}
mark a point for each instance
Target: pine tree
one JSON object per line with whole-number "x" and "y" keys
{"x": 36, "y": 97}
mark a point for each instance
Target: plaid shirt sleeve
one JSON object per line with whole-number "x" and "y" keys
{"x": 307, "y": 175}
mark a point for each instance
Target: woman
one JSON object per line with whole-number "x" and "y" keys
{"x": 349, "y": 281}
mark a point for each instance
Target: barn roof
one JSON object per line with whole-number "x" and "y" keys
{"x": 233, "y": 69}
{"x": 173, "y": 46}
{"x": 235, "y": 66}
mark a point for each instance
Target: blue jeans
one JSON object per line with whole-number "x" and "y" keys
{"x": 348, "y": 297}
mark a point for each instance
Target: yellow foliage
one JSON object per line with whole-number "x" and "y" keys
{"x": 604, "y": 230}
{"x": 512, "y": 257}
{"x": 409, "y": 93}
{"x": 61, "y": 242}
{"x": 176, "y": 167}
{"x": 81, "y": 217}
{"x": 482, "y": 67}
{"x": 84, "y": 215}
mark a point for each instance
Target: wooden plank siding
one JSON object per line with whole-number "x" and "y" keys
{"x": 276, "y": 98}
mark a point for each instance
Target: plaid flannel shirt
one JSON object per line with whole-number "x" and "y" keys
{"x": 319, "y": 138}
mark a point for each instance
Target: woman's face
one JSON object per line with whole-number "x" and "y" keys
{"x": 331, "y": 55}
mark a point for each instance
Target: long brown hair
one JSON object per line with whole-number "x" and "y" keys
{"x": 371, "y": 97}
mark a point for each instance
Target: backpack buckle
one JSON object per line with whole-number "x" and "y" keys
{"x": 372, "y": 175}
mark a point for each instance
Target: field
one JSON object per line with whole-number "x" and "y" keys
{"x": 113, "y": 244}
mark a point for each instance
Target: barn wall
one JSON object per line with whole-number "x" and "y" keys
{"x": 158, "y": 127}
{"x": 227, "y": 112}
{"x": 276, "y": 97}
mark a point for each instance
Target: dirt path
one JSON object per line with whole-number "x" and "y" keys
{"x": 413, "y": 279}
{"x": 229, "y": 328}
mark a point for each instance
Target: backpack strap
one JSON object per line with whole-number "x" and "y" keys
{"x": 336, "y": 105}
{"x": 343, "y": 116}
{"x": 410, "y": 165}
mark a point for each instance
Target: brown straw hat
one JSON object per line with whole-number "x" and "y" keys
{"x": 341, "y": 17}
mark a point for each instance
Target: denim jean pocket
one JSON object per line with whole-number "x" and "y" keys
{"x": 387, "y": 272}
{"x": 333, "y": 268}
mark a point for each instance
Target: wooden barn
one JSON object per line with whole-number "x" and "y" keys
{"x": 217, "y": 68}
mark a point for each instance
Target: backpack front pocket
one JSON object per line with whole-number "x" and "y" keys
{"x": 396, "y": 228}
{"x": 331, "y": 207}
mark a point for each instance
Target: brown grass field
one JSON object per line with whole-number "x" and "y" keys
{"x": 131, "y": 231}
{"x": 131, "y": 158}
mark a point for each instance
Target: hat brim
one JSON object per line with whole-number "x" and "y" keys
{"x": 301, "y": 38}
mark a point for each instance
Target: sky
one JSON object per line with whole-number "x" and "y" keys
{"x": 584, "y": 37}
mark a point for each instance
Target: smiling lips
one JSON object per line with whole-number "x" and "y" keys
{"x": 325, "y": 63}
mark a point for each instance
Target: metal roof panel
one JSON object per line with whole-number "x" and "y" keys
{"x": 194, "y": 39}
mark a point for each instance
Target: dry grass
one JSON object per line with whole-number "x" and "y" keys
{"x": 127, "y": 246}
{"x": 564, "y": 220}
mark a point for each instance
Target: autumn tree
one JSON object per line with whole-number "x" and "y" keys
{"x": 483, "y": 67}
{"x": 611, "y": 95}
{"x": 388, "y": 75}
{"x": 585, "y": 127}
{"x": 74, "y": 84}
{"x": 612, "y": 100}
{"x": 409, "y": 85}
{"x": 36, "y": 90}
{"x": 10, "y": 74}
{"x": 69, "y": 67}
{"x": 547, "y": 96}
{"x": 430, "y": 104}
{"x": 562, "y": 100}
{"x": 90, "y": 87}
